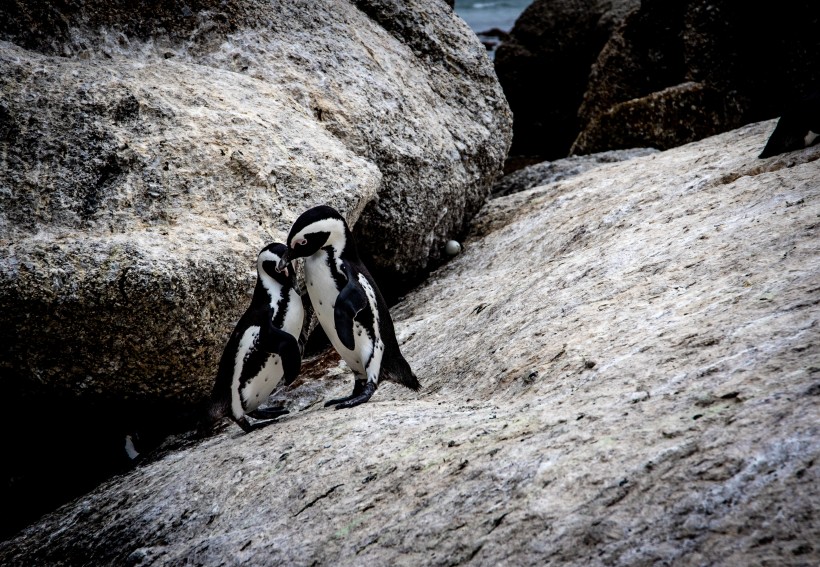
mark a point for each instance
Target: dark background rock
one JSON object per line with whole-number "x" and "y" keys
{"x": 544, "y": 68}
{"x": 660, "y": 75}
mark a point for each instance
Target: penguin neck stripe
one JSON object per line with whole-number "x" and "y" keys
{"x": 273, "y": 289}
{"x": 334, "y": 228}
{"x": 266, "y": 263}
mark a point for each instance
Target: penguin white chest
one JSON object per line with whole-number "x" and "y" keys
{"x": 323, "y": 294}
{"x": 294, "y": 312}
{"x": 255, "y": 375}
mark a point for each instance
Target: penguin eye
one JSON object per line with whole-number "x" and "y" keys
{"x": 301, "y": 242}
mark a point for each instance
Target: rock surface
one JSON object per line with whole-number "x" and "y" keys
{"x": 558, "y": 170}
{"x": 148, "y": 155}
{"x": 149, "y": 151}
{"x": 620, "y": 368}
{"x": 663, "y": 73}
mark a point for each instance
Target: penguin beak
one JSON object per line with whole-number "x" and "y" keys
{"x": 282, "y": 265}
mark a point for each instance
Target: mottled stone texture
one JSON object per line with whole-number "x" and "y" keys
{"x": 621, "y": 368}
{"x": 149, "y": 150}
{"x": 148, "y": 153}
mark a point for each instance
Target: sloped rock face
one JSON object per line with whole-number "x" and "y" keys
{"x": 621, "y": 368}
{"x": 558, "y": 170}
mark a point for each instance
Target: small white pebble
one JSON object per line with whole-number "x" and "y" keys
{"x": 130, "y": 449}
{"x": 452, "y": 247}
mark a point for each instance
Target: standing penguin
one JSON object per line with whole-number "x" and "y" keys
{"x": 263, "y": 348}
{"x": 348, "y": 303}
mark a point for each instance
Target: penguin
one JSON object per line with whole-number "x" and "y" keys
{"x": 263, "y": 348}
{"x": 348, "y": 304}
{"x": 797, "y": 128}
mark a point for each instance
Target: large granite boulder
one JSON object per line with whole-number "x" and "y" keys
{"x": 663, "y": 73}
{"x": 621, "y": 368}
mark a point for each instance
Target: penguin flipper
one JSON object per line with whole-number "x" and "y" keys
{"x": 277, "y": 341}
{"x": 349, "y": 303}
{"x": 291, "y": 356}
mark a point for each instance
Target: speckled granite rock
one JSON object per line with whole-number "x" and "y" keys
{"x": 621, "y": 368}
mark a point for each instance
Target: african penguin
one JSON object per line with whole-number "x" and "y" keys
{"x": 262, "y": 349}
{"x": 797, "y": 128}
{"x": 347, "y": 303}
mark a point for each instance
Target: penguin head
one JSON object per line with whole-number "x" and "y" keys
{"x": 315, "y": 229}
{"x": 269, "y": 260}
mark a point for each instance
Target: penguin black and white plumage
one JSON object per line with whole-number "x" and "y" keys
{"x": 797, "y": 128}
{"x": 263, "y": 348}
{"x": 348, "y": 304}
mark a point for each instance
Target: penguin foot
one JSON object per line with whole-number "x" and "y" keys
{"x": 262, "y": 423}
{"x": 358, "y": 388}
{"x": 243, "y": 423}
{"x": 267, "y": 413}
{"x": 247, "y": 426}
{"x": 359, "y": 396}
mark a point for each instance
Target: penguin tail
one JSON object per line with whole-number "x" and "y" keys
{"x": 412, "y": 382}
{"x": 399, "y": 371}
